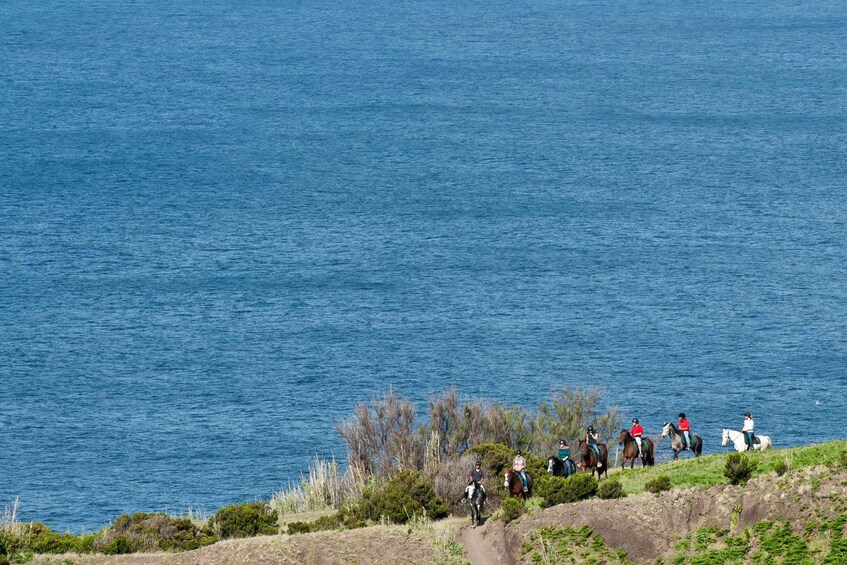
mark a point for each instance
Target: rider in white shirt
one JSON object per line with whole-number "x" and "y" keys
{"x": 747, "y": 430}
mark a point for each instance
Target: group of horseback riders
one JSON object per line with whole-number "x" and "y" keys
{"x": 592, "y": 438}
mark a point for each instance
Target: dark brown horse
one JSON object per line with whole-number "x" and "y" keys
{"x": 590, "y": 461}
{"x": 630, "y": 450}
{"x": 514, "y": 486}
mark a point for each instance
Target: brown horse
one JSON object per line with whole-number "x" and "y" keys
{"x": 630, "y": 450}
{"x": 514, "y": 486}
{"x": 590, "y": 461}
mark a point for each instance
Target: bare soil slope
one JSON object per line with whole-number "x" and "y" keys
{"x": 647, "y": 525}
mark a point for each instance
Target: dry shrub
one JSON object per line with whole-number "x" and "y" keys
{"x": 450, "y": 479}
{"x": 381, "y": 437}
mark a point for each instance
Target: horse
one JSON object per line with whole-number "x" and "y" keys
{"x": 514, "y": 486}
{"x": 737, "y": 439}
{"x": 590, "y": 461}
{"x": 475, "y": 494}
{"x": 668, "y": 429}
{"x": 630, "y": 450}
{"x": 559, "y": 467}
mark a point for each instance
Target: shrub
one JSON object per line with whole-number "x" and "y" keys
{"x": 119, "y": 545}
{"x": 406, "y": 495}
{"x": 382, "y": 436}
{"x": 243, "y": 520}
{"x": 781, "y": 468}
{"x": 494, "y": 456}
{"x": 739, "y": 468}
{"x": 611, "y": 488}
{"x": 512, "y": 509}
{"x": 659, "y": 484}
{"x": 151, "y": 532}
{"x": 560, "y": 490}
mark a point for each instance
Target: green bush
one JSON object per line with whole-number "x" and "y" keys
{"x": 346, "y": 518}
{"x": 406, "y": 495}
{"x": 39, "y": 538}
{"x": 739, "y": 468}
{"x": 493, "y": 456}
{"x": 659, "y": 484}
{"x": 120, "y": 545}
{"x": 611, "y": 488}
{"x": 560, "y": 490}
{"x": 154, "y": 531}
{"x": 781, "y": 468}
{"x": 512, "y": 509}
{"x": 243, "y": 520}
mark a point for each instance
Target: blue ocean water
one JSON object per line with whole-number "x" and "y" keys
{"x": 225, "y": 223}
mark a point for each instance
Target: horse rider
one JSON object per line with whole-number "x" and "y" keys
{"x": 747, "y": 430}
{"x": 476, "y": 475}
{"x": 636, "y": 432}
{"x": 685, "y": 428}
{"x": 592, "y": 438}
{"x": 564, "y": 452}
{"x": 519, "y": 465}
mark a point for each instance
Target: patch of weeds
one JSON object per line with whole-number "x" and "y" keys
{"x": 781, "y": 468}
{"x": 565, "y": 544}
{"x": 533, "y": 504}
{"x": 784, "y": 543}
{"x": 735, "y": 516}
{"x": 703, "y": 538}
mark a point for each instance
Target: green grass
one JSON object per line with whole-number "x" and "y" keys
{"x": 708, "y": 470}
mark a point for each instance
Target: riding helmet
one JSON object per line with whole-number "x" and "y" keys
{"x": 635, "y": 420}
{"x": 682, "y": 414}
{"x": 747, "y": 415}
{"x": 478, "y": 464}
{"x": 562, "y": 441}
{"x": 518, "y": 452}
{"x": 590, "y": 428}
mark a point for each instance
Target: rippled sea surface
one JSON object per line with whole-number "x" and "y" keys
{"x": 222, "y": 224}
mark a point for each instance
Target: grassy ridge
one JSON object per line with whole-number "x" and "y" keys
{"x": 708, "y": 470}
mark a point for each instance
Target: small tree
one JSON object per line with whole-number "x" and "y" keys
{"x": 739, "y": 468}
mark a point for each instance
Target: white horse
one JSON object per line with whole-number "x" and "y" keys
{"x": 737, "y": 439}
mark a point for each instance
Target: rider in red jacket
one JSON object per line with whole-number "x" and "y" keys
{"x": 685, "y": 428}
{"x": 636, "y": 432}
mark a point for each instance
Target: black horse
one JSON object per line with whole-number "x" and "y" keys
{"x": 560, "y": 468}
{"x": 475, "y": 495}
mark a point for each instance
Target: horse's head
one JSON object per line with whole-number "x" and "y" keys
{"x": 666, "y": 429}
{"x": 583, "y": 447}
{"x": 623, "y": 436}
{"x": 469, "y": 492}
{"x": 550, "y": 461}
{"x": 725, "y": 439}
{"x": 506, "y": 475}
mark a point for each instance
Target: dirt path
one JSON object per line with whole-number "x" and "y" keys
{"x": 486, "y": 544}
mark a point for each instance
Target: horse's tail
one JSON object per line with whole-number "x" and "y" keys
{"x": 698, "y": 449}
